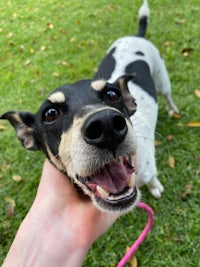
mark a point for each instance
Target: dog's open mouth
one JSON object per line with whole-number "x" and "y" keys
{"x": 113, "y": 185}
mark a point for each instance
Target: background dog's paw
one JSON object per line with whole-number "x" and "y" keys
{"x": 156, "y": 188}
{"x": 174, "y": 114}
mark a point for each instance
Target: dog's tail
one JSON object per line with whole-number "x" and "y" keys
{"x": 144, "y": 13}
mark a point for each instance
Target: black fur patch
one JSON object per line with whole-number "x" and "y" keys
{"x": 104, "y": 72}
{"x": 139, "y": 53}
{"x": 143, "y": 76}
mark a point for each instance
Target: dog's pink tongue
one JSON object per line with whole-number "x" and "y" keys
{"x": 114, "y": 177}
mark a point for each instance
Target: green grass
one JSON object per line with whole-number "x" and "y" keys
{"x": 45, "y": 44}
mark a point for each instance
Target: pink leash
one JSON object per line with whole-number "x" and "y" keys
{"x": 142, "y": 236}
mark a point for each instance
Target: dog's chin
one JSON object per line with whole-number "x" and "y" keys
{"x": 112, "y": 188}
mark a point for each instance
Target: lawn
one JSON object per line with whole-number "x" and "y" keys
{"x": 45, "y": 44}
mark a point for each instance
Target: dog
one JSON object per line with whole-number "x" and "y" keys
{"x": 100, "y": 132}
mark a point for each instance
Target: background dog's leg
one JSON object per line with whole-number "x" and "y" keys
{"x": 171, "y": 107}
{"x": 155, "y": 187}
{"x": 163, "y": 85}
{"x": 146, "y": 173}
{"x": 145, "y": 157}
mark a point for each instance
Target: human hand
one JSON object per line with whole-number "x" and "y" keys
{"x": 60, "y": 226}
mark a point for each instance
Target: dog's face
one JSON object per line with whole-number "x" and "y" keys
{"x": 85, "y": 131}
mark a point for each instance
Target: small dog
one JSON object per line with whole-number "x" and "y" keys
{"x": 100, "y": 132}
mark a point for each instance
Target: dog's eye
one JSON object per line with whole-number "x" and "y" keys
{"x": 112, "y": 95}
{"x": 50, "y": 115}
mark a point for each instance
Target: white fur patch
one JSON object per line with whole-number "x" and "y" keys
{"x": 98, "y": 85}
{"x": 57, "y": 97}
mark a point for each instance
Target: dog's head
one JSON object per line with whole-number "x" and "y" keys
{"x": 85, "y": 131}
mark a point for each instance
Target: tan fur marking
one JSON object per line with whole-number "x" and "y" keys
{"x": 54, "y": 160}
{"x": 98, "y": 85}
{"x": 16, "y": 117}
{"x": 64, "y": 151}
{"x": 57, "y": 97}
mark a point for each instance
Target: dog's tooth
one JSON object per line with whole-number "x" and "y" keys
{"x": 102, "y": 192}
{"x": 121, "y": 159}
{"x": 131, "y": 182}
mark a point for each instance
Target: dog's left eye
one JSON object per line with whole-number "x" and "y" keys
{"x": 50, "y": 115}
{"x": 112, "y": 95}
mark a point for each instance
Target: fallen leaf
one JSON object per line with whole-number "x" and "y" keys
{"x": 180, "y": 124}
{"x": 4, "y": 166}
{"x": 10, "y": 35}
{"x": 194, "y": 124}
{"x": 186, "y": 51}
{"x": 42, "y": 48}
{"x": 55, "y": 74}
{"x": 27, "y": 62}
{"x": 198, "y": 158}
{"x": 111, "y": 8}
{"x": 51, "y": 26}
{"x": 158, "y": 143}
{"x": 11, "y": 206}
{"x": 20, "y": 101}
{"x": 32, "y": 50}
{"x": 72, "y": 39}
{"x": 133, "y": 259}
{"x": 187, "y": 192}
{"x": 17, "y": 178}
{"x": 181, "y": 21}
{"x": 171, "y": 162}
{"x": 63, "y": 63}
{"x": 91, "y": 42}
{"x": 2, "y": 128}
{"x": 167, "y": 43}
{"x": 197, "y": 93}
{"x": 170, "y": 137}
{"x": 22, "y": 48}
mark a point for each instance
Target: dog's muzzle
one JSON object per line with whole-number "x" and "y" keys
{"x": 113, "y": 185}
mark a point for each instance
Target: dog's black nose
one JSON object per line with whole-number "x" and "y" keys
{"x": 105, "y": 129}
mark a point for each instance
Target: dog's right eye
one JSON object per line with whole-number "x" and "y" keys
{"x": 50, "y": 115}
{"x": 112, "y": 95}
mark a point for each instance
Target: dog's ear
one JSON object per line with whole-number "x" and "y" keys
{"x": 23, "y": 122}
{"x": 129, "y": 101}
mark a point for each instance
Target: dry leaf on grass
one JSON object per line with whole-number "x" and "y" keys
{"x": 158, "y": 143}
{"x": 4, "y": 166}
{"x": 55, "y": 74}
{"x": 170, "y": 137}
{"x": 186, "y": 51}
{"x": 42, "y": 48}
{"x": 194, "y": 124}
{"x": 2, "y": 127}
{"x": 187, "y": 192}
{"x": 50, "y": 26}
{"x": 133, "y": 260}
{"x": 171, "y": 162}
{"x": 17, "y": 178}
{"x": 197, "y": 93}
{"x": 11, "y": 206}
